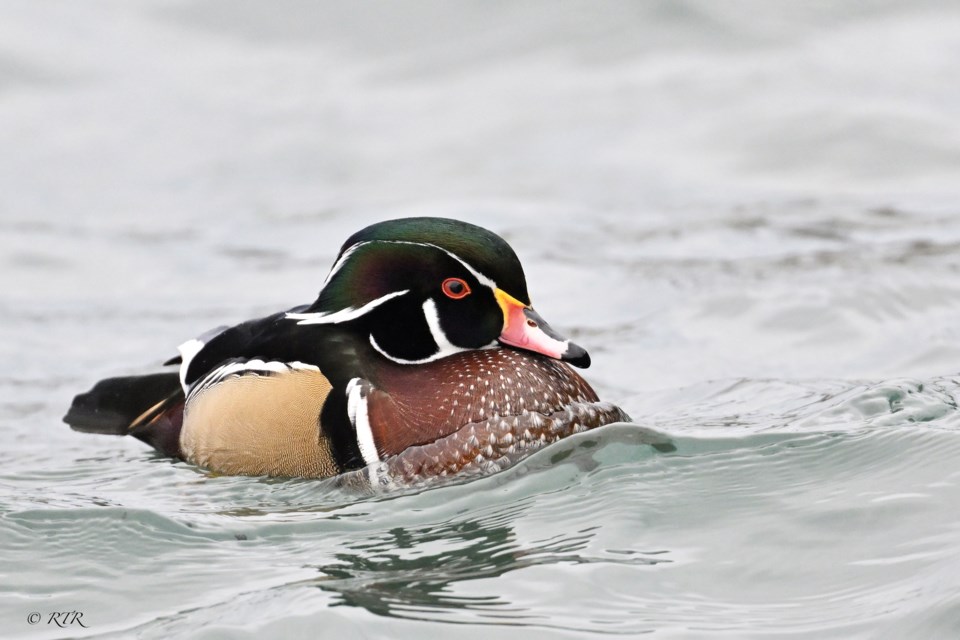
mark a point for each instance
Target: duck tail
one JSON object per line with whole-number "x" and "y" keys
{"x": 148, "y": 407}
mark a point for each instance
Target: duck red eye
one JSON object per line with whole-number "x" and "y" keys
{"x": 455, "y": 288}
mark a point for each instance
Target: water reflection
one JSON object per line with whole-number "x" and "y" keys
{"x": 420, "y": 570}
{"x": 415, "y": 572}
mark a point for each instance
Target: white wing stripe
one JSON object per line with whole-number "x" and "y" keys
{"x": 188, "y": 351}
{"x": 250, "y": 366}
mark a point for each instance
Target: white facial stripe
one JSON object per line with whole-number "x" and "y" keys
{"x": 379, "y": 349}
{"x": 357, "y": 412}
{"x": 351, "y": 313}
{"x": 476, "y": 274}
{"x": 444, "y": 346}
{"x": 339, "y": 263}
{"x": 343, "y": 315}
{"x": 482, "y": 279}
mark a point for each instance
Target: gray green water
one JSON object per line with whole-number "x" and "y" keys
{"x": 748, "y": 212}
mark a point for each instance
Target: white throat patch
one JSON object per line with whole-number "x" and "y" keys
{"x": 444, "y": 346}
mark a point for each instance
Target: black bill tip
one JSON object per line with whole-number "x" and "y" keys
{"x": 576, "y": 355}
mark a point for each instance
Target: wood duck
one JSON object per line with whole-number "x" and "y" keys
{"x": 421, "y": 357}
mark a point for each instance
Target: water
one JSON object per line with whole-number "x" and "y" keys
{"x": 747, "y": 212}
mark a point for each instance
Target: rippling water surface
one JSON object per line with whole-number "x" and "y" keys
{"x": 748, "y": 214}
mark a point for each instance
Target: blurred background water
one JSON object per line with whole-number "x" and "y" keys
{"x": 747, "y": 211}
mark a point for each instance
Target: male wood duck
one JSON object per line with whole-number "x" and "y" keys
{"x": 421, "y": 357}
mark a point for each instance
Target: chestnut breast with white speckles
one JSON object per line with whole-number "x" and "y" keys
{"x": 478, "y": 408}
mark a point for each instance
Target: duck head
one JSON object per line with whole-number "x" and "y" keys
{"x": 426, "y": 288}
